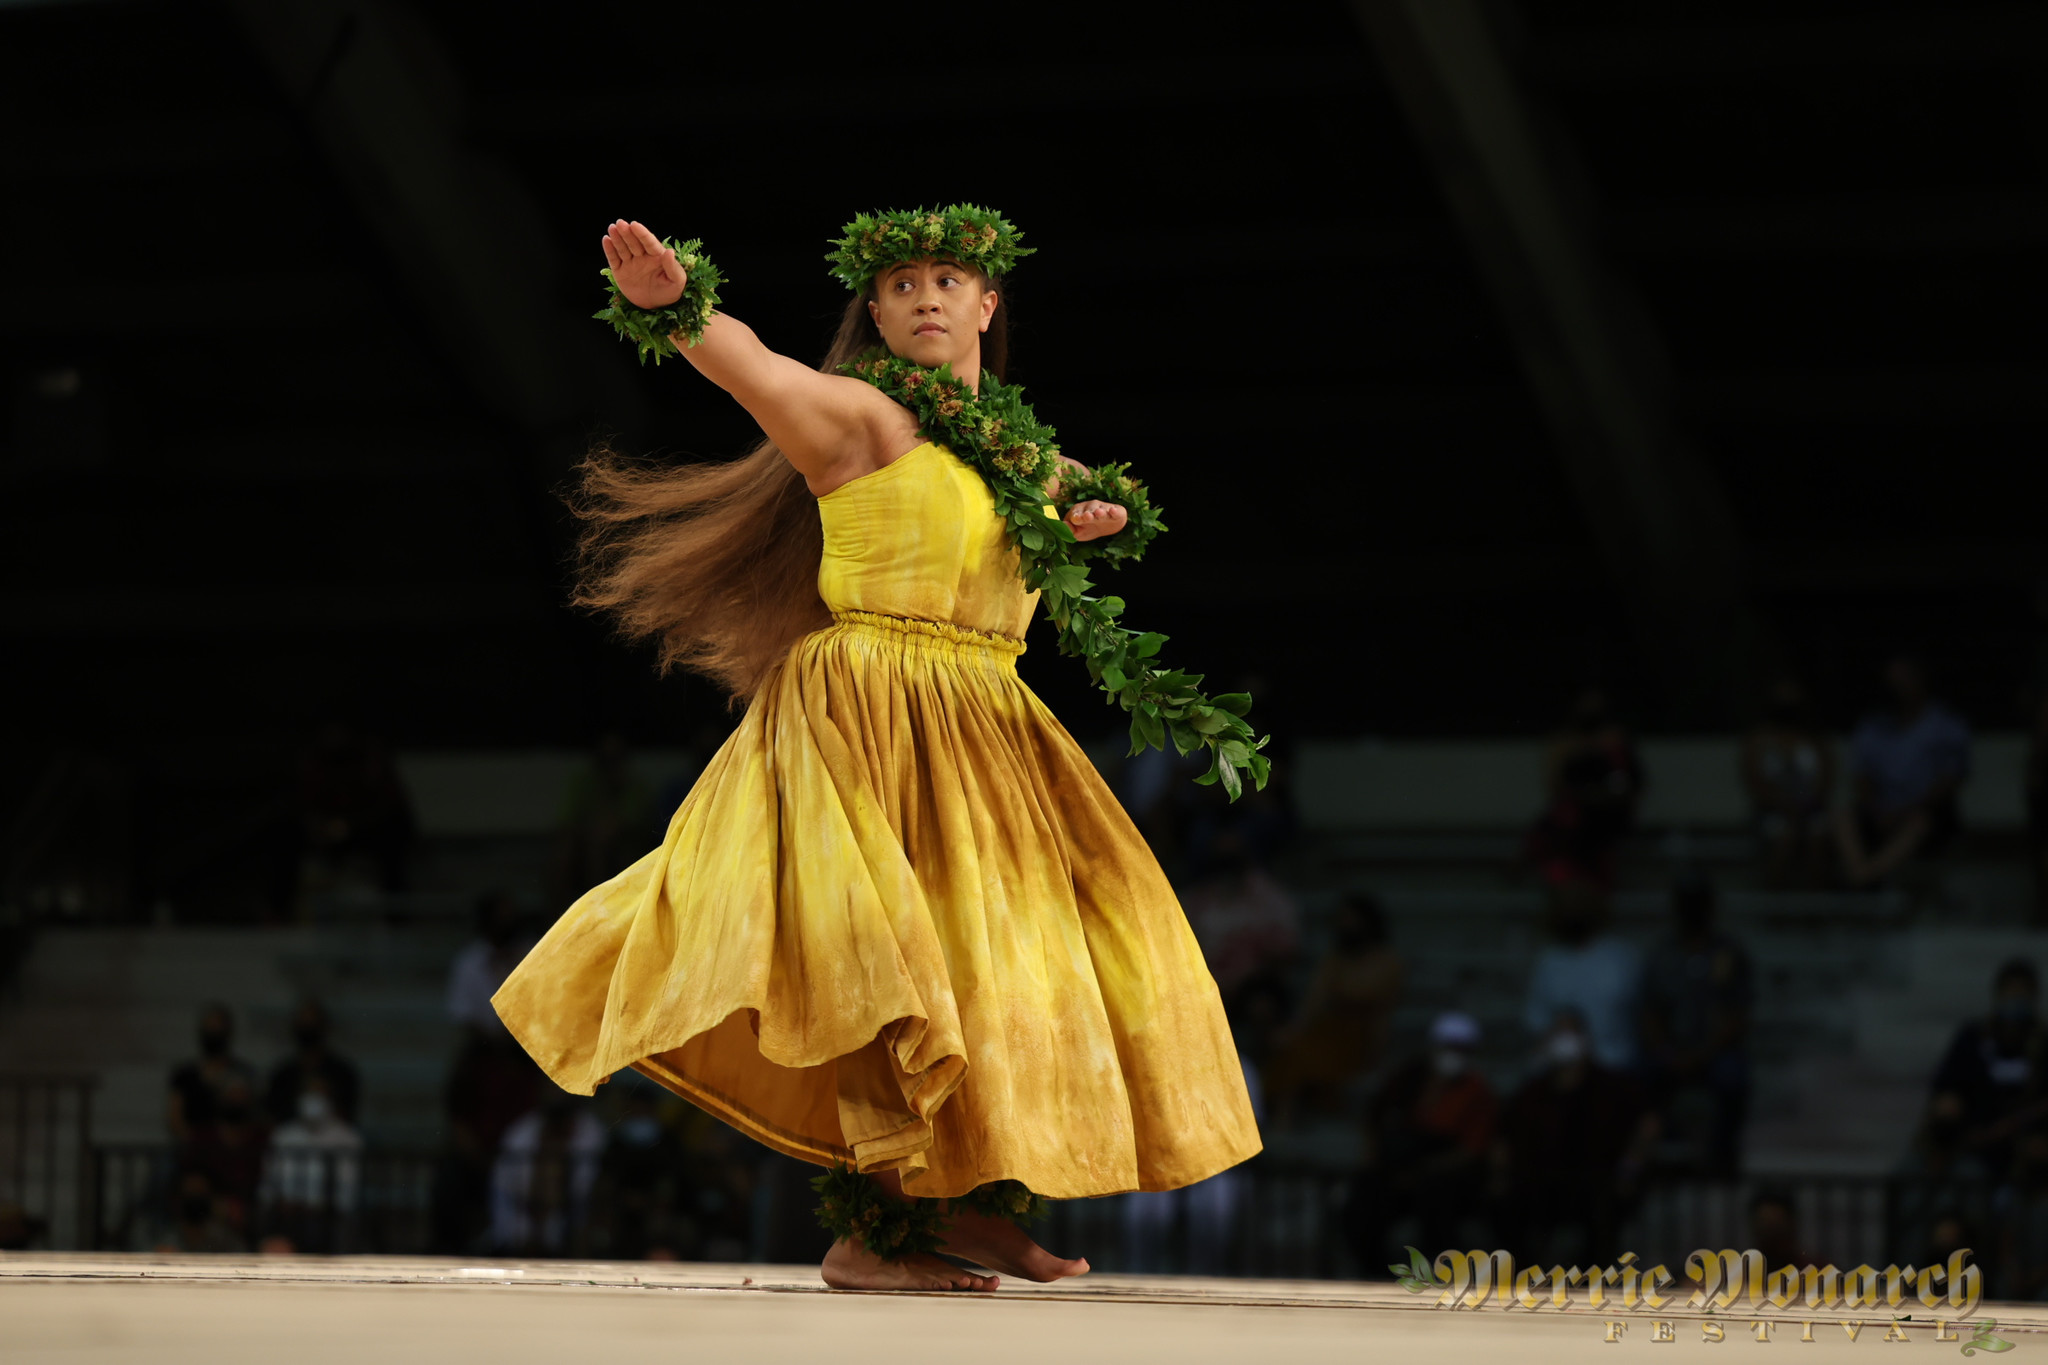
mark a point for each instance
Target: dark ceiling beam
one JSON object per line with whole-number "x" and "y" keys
{"x": 1832, "y": 226}
{"x": 1076, "y": 90}
{"x": 1935, "y": 39}
{"x": 159, "y": 307}
{"x": 1955, "y": 396}
{"x": 297, "y": 609}
{"x": 1656, "y": 510}
{"x": 469, "y": 241}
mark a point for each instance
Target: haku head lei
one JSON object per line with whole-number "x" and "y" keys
{"x": 967, "y": 233}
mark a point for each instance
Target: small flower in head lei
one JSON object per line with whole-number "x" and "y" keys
{"x": 966, "y": 233}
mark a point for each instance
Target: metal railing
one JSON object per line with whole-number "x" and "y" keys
{"x": 1262, "y": 1220}
{"x": 45, "y": 1162}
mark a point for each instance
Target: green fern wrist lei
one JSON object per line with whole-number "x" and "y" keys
{"x": 997, "y": 435}
{"x": 1112, "y": 483}
{"x": 649, "y": 329}
{"x": 853, "y": 1208}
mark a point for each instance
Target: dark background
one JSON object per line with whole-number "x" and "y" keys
{"x": 297, "y": 352}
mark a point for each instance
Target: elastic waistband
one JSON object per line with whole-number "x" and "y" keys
{"x": 940, "y": 633}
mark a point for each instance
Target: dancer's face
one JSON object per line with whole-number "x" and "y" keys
{"x": 933, "y": 313}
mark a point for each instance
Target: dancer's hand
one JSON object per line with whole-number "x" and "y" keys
{"x": 1094, "y": 520}
{"x": 647, "y": 272}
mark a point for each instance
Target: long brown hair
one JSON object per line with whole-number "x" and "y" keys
{"x": 718, "y": 563}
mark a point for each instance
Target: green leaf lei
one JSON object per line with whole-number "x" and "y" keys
{"x": 852, "y": 1206}
{"x": 968, "y": 233}
{"x": 996, "y": 433}
{"x": 649, "y": 329}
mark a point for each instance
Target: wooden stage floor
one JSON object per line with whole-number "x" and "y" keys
{"x": 307, "y": 1310}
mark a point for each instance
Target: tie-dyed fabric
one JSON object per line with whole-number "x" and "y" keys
{"x": 900, "y": 921}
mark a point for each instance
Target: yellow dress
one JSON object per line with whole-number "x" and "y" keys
{"x": 900, "y": 922}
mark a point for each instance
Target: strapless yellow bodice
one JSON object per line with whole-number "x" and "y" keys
{"x": 919, "y": 537}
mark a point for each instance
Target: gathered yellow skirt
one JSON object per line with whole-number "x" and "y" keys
{"x": 901, "y": 923}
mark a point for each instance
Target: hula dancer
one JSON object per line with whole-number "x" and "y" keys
{"x": 900, "y": 927}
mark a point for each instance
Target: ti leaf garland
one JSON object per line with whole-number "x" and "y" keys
{"x": 649, "y": 329}
{"x": 996, "y": 433}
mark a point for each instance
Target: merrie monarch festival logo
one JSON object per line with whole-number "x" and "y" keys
{"x": 1718, "y": 1281}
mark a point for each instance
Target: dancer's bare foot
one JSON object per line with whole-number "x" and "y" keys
{"x": 850, "y": 1266}
{"x": 1002, "y": 1246}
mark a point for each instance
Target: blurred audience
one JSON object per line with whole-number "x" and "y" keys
{"x": 312, "y": 1063}
{"x": 312, "y": 1173}
{"x": 608, "y": 819}
{"x": 1428, "y": 1130}
{"x": 1593, "y": 782}
{"x": 1774, "y": 1229}
{"x": 1246, "y": 922}
{"x": 1574, "y": 1143}
{"x": 674, "y": 1183}
{"x": 492, "y": 1083}
{"x": 541, "y": 1179}
{"x": 1589, "y": 971}
{"x": 353, "y": 807}
{"x": 1696, "y": 1000}
{"x": 19, "y": 1230}
{"x": 202, "y": 1223}
{"x": 1988, "y": 1091}
{"x": 1340, "y": 1032}
{"x": 2037, "y": 810}
{"x": 228, "y": 1151}
{"x": 1908, "y": 763}
{"x": 1788, "y": 769}
{"x": 197, "y": 1086}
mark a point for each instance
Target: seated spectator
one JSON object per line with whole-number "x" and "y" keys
{"x": 1909, "y": 763}
{"x": 642, "y": 1181}
{"x": 1340, "y": 1032}
{"x": 312, "y": 1173}
{"x": 2037, "y": 811}
{"x": 723, "y": 1172}
{"x": 1774, "y": 1229}
{"x": 196, "y": 1086}
{"x": 353, "y": 805}
{"x": 1989, "y": 1089}
{"x": 546, "y": 1166}
{"x": 1696, "y": 996}
{"x": 1246, "y": 922}
{"x": 1593, "y": 783}
{"x": 310, "y": 1063}
{"x": 202, "y": 1222}
{"x": 228, "y": 1151}
{"x": 2023, "y": 1253}
{"x": 1574, "y": 1142}
{"x": 1427, "y": 1135}
{"x": 608, "y": 819}
{"x": 492, "y": 1083}
{"x": 1589, "y": 971}
{"x": 18, "y": 1230}
{"x": 1788, "y": 769}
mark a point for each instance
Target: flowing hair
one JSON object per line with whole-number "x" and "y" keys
{"x": 718, "y": 563}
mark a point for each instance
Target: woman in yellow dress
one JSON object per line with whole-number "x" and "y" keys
{"x": 900, "y": 926}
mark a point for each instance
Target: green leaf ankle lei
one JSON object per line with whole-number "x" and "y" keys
{"x": 649, "y": 329}
{"x": 852, "y": 1207}
{"x": 996, "y": 434}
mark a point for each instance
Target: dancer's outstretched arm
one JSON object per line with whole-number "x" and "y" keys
{"x": 831, "y": 427}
